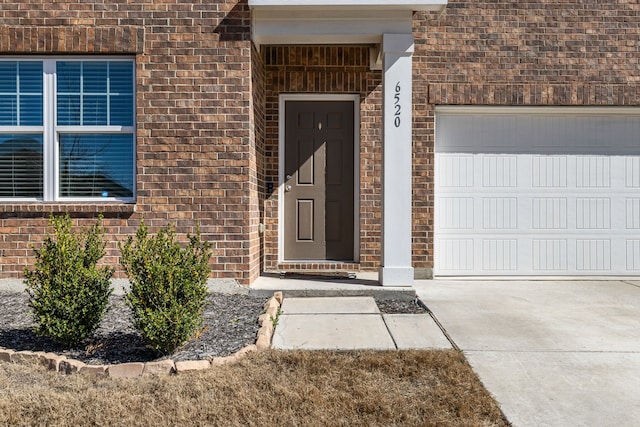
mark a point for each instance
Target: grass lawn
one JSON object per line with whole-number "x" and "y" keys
{"x": 272, "y": 388}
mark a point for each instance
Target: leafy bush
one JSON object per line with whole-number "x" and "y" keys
{"x": 168, "y": 286}
{"x": 67, "y": 291}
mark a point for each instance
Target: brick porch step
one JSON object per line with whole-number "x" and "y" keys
{"x": 318, "y": 270}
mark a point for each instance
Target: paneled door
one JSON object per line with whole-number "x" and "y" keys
{"x": 319, "y": 180}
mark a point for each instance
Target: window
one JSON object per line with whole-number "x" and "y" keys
{"x": 67, "y": 130}
{"x": 21, "y": 109}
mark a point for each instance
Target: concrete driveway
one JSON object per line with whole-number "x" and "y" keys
{"x": 553, "y": 353}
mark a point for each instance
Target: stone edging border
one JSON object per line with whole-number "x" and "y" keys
{"x": 267, "y": 320}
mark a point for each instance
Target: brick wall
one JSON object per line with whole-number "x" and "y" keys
{"x": 207, "y": 105}
{"x": 326, "y": 69}
{"x": 504, "y": 52}
{"x": 195, "y": 142}
{"x": 258, "y": 190}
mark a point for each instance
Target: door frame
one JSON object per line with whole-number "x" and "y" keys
{"x": 355, "y": 98}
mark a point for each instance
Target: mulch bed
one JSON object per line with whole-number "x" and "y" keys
{"x": 230, "y": 323}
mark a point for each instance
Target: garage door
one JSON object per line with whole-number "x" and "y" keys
{"x": 535, "y": 191}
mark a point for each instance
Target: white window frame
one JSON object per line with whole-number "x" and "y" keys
{"x": 51, "y": 131}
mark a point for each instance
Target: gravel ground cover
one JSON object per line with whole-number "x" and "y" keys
{"x": 230, "y": 323}
{"x": 400, "y": 307}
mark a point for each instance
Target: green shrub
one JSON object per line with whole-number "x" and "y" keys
{"x": 67, "y": 291}
{"x": 168, "y": 286}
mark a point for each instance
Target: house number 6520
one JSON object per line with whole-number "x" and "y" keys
{"x": 397, "y": 106}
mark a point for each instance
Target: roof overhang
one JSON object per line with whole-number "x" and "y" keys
{"x": 411, "y": 5}
{"x": 333, "y": 21}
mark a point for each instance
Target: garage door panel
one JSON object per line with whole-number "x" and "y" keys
{"x": 499, "y": 171}
{"x": 457, "y": 171}
{"x": 548, "y": 171}
{"x": 593, "y": 172}
{"x": 511, "y": 208}
{"x": 499, "y": 213}
{"x": 632, "y": 213}
{"x": 456, "y": 254}
{"x": 548, "y": 213}
{"x": 536, "y": 257}
{"x": 456, "y": 213}
{"x": 538, "y": 133}
{"x": 593, "y": 255}
{"x": 500, "y": 255}
{"x": 549, "y": 256}
{"x": 632, "y": 172}
{"x": 593, "y": 213}
{"x": 633, "y": 254}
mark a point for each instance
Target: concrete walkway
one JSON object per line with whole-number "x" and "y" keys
{"x": 351, "y": 323}
{"x": 553, "y": 353}
{"x": 365, "y": 284}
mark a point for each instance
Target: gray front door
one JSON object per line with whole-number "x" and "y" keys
{"x": 318, "y": 198}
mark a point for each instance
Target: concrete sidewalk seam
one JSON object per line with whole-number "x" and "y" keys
{"x": 421, "y": 303}
{"x": 389, "y": 331}
{"x": 332, "y": 313}
{"x": 444, "y": 331}
{"x": 630, "y": 283}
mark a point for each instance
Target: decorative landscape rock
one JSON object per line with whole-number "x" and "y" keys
{"x": 126, "y": 370}
{"x": 278, "y": 296}
{"x": 93, "y": 370}
{"x": 70, "y": 366}
{"x": 267, "y": 320}
{"x": 271, "y": 306}
{"x": 25, "y": 357}
{"x": 161, "y": 367}
{"x": 192, "y": 365}
{"x": 135, "y": 369}
{"x": 263, "y": 342}
{"x": 51, "y": 360}
{"x": 5, "y": 355}
{"x": 246, "y": 350}
{"x": 229, "y": 324}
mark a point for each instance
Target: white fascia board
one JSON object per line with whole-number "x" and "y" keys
{"x": 328, "y": 27}
{"x": 531, "y": 110}
{"x": 411, "y": 5}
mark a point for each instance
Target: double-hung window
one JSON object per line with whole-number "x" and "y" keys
{"x": 67, "y": 129}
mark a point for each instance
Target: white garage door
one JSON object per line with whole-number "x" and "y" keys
{"x": 530, "y": 191}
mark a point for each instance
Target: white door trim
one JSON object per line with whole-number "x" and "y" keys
{"x": 355, "y": 98}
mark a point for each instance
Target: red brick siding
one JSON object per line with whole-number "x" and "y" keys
{"x": 195, "y": 159}
{"x": 258, "y": 190}
{"x": 547, "y": 52}
{"x": 207, "y": 105}
{"x": 25, "y": 38}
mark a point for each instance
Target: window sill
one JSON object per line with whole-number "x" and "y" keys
{"x": 71, "y": 207}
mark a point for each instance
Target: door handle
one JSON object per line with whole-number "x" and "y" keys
{"x": 287, "y": 188}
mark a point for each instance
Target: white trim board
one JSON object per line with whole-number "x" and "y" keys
{"x": 550, "y": 110}
{"x": 363, "y": 5}
{"x": 333, "y": 21}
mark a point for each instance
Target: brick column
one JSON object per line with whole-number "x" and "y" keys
{"x": 396, "y": 269}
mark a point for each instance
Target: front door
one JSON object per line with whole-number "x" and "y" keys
{"x": 319, "y": 180}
